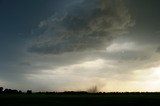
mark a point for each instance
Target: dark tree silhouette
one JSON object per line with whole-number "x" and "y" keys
{"x": 10, "y": 91}
{"x": 29, "y": 91}
{"x": 1, "y": 89}
{"x": 93, "y": 89}
{"x": 20, "y": 92}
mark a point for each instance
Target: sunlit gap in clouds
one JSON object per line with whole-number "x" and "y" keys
{"x": 71, "y": 77}
{"x": 148, "y": 79}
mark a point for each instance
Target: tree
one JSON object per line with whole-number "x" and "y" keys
{"x": 93, "y": 89}
{"x": 29, "y": 91}
{"x": 1, "y": 89}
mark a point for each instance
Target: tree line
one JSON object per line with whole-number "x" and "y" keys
{"x": 13, "y": 91}
{"x": 90, "y": 91}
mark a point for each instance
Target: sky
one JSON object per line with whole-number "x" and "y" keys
{"x": 61, "y": 45}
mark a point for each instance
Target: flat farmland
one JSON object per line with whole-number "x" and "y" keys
{"x": 145, "y": 99}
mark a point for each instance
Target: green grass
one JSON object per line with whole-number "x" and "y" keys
{"x": 74, "y": 100}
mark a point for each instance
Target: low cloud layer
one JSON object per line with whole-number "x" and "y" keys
{"x": 81, "y": 26}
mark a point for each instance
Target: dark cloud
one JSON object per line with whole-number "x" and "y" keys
{"x": 87, "y": 35}
{"x": 158, "y": 49}
{"x": 25, "y": 63}
{"x": 82, "y": 26}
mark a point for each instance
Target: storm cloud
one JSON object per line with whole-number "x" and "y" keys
{"x": 59, "y": 45}
{"x": 81, "y": 26}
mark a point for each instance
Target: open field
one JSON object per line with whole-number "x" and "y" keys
{"x": 147, "y": 99}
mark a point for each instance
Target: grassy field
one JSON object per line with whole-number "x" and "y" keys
{"x": 79, "y": 99}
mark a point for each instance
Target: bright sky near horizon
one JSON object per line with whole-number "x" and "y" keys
{"x": 57, "y": 45}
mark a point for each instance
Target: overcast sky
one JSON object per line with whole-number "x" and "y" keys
{"x": 48, "y": 45}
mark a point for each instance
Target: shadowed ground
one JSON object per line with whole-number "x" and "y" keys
{"x": 80, "y": 99}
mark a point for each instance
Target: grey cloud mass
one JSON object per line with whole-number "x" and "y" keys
{"x": 83, "y": 25}
{"x": 158, "y": 50}
{"x": 114, "y": 44}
